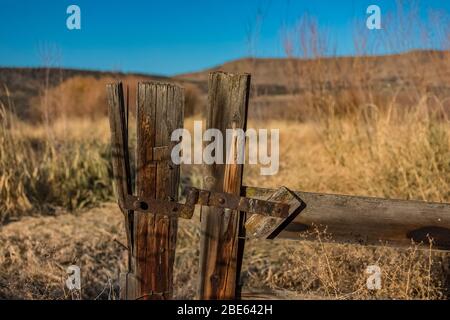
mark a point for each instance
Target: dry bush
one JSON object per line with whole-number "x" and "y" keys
{"x": 79, "y": 97}
{"x": 40, "y": 174}
{"x": 85, "y": 97}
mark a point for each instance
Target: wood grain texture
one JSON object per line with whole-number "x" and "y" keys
{"x": 159, "y": 112}
{"x": 273, "y": 294}
{"x": 120, "y": 157}
{"x": 220, "y": 249}
{"x": 368, "y": 221}
{"x": 268, "y": 227}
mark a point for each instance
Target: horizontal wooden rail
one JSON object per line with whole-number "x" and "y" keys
{"x": 365, "y": 220}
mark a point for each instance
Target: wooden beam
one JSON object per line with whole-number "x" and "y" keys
{"x": 118, "y": 116}
{"x": 366, "y": 220}
{"x": 273, "y": 294}
{"x": 220, "y": 248}
{"x": 159, "y": 112}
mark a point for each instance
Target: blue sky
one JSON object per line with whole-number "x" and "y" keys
{"x": 171, "y": 36}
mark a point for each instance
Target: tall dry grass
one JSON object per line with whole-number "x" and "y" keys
{"x": 394, "y": 155}
{"x": 370, "y": 152}
{"x": 38, "y": 174}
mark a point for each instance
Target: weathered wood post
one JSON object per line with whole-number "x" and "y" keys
{"x": 118, "y": 121}
{"x": 159, "y": 113}
{"x": 221, "y": 249}
{"x": 152, "y": 236}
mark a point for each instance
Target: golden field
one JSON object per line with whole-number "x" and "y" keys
{"x": 56, "y": 193}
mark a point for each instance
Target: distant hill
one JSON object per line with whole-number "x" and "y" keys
{"x": 276, "y": 74}
{"x": 25, "y": 83}
{"x": 293, "y": 88}
{"x": 274, "y": 81}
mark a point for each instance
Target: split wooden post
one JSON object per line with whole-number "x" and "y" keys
{"x": 118, "y": 120}
{"x": 159, "y": 112}
{"x": 222, "y": 243}
{"x": 152, "y": 237}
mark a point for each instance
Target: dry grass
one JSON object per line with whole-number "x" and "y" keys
{"x": 44, "y": 168}
{"x": 36, "y": 251}
{"x": 375, "y": 151}
{"x": 389, "y": 156}
{"x": 350, "y": 155}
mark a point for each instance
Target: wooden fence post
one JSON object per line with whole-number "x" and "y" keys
{"x": 151, "y": 237}
{"x": 118, "y": 120}
{"x": 221, "y": 250}
{"x": 159, "y": 112}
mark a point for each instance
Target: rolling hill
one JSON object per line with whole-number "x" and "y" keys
{"x": 274, "y": 81}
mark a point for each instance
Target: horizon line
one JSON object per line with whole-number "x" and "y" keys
{"x": 156, "y": 75}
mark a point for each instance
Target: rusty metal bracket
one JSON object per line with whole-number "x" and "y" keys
{"x": 166, "y": 208}
{"x": 268, "y": 227}
{"x": 196, "y": 196}
{"x": 231, "y": 201}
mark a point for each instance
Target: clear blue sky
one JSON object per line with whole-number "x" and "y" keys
{"x": 170, "y": 36}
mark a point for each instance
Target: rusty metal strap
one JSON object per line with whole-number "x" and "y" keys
{"x": 196, "y": 196}
{"x": 166, "y": 208}
{"x": 235, "y": 202}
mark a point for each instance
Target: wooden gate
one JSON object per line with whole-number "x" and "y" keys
{"x": 229, "y": 209}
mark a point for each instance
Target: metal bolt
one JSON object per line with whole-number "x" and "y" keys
{"x": 140, "y": 205}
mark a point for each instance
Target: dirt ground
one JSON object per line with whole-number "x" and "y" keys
{"x": 36, "y": 251}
